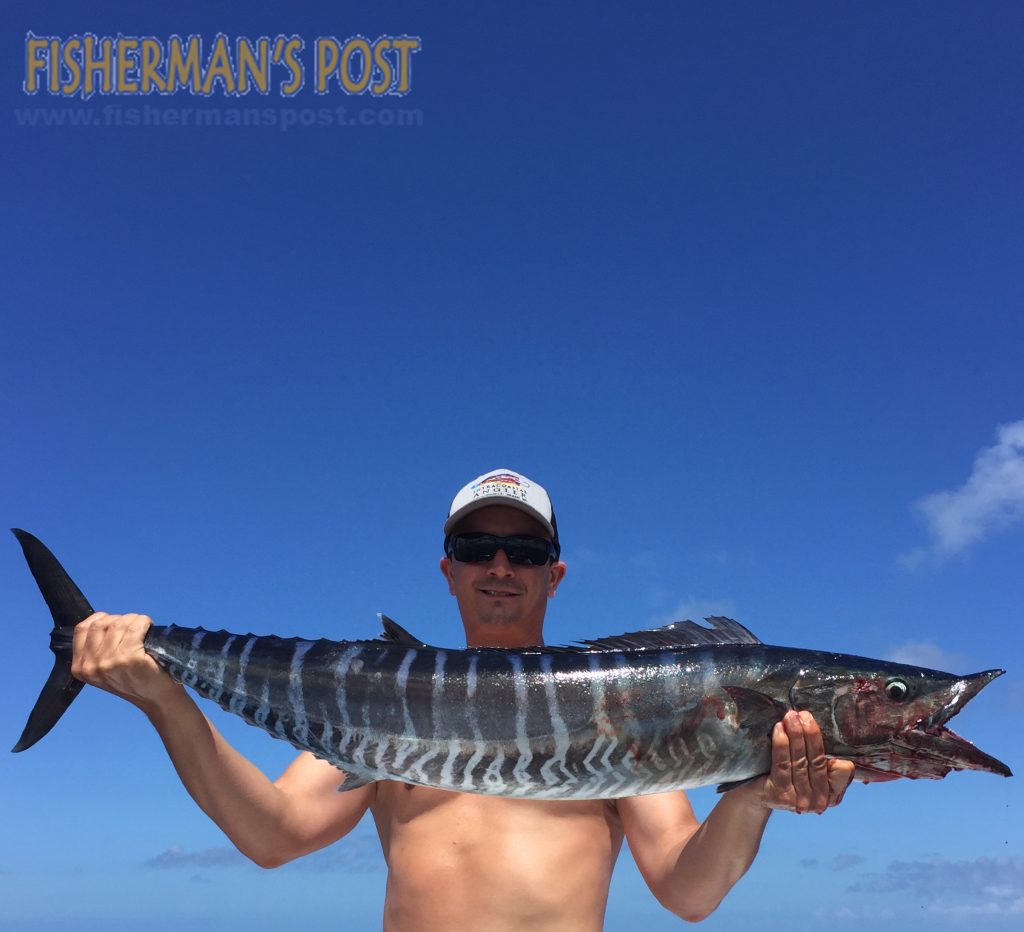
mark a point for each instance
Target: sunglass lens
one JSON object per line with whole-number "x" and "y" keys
{"x": 476, "y": 549}
{"x": 530, "y": 551}
{"x": 481, "y": 548}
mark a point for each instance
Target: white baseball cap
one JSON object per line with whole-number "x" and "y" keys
{"x": 504, "y": 487}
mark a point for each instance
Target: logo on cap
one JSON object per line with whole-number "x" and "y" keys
{"x": 501, "y": 483}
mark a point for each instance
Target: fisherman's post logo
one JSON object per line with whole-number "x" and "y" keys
{"x": 138, "y": 66}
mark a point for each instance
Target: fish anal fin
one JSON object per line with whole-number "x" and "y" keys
{"x": 352, "y": 782}
{"x": 736, "y": 784}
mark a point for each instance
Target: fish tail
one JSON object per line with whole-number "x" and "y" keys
{"x": 68, "y": 607}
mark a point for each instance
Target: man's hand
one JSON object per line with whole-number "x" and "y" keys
{"x": 691, "y": 866}
{"x": 107, "y": 652}
{"x": 270, "y": 823}
{"x": 802, "y": 778}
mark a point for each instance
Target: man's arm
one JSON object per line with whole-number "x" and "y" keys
{"x": 690, "y": 866}
{"x": 271, "y": 823}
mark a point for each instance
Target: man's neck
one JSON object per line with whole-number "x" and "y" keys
{"x": 507, "y": 636}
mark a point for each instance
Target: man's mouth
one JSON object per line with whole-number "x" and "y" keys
{"x": 498, "y": 593}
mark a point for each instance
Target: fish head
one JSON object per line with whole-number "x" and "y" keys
{"x": 891, "y": 719}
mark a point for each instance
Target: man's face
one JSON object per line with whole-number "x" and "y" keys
{"x": 502, "y": 603}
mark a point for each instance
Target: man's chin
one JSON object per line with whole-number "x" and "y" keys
{"x": 497, "y": 615}
{"x": 499, "y": 611}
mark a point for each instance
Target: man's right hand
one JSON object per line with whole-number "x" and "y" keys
{"x": 108, "y": 653}
{"x": 269, "y": 822}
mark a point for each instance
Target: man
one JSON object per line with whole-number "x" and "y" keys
{"x": 456, "y": 860}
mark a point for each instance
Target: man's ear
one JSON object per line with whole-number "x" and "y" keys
{"x": 446, "y": 571}
{"x": 555, "y": 577}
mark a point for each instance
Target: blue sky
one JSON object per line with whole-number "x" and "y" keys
{"x": 739, "y": 285}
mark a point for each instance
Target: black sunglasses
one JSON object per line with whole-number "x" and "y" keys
{"x": 521, "y": 549}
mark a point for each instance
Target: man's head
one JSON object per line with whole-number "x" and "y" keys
{"x": 502, "y": 586}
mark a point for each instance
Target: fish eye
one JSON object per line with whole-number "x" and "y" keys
{"x": 897, "y": 690}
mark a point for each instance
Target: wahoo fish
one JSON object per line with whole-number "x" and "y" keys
{"x": 680, "y": 706}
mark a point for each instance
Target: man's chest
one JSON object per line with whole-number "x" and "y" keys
{"x": 421, "y": 816}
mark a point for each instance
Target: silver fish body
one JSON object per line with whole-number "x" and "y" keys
{"x": 551, "y": 725}
{"x": 681, "y": 706}
{"x": 596, "y": 722}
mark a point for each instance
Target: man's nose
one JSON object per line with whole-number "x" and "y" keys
{"x": 500, "y": 564}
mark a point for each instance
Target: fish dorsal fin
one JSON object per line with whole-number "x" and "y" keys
{"x": 678, "y": 634}
{"x": 394, "y": 633}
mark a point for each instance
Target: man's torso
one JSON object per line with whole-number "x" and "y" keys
{"x": 457, "y": 860}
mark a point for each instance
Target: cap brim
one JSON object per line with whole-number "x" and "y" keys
{"x": 498, "y": 500}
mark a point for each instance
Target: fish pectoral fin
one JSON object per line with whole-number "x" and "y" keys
{"x": 756, "y": 711}
{"x": 756, "y": 715}
{"x": 352, "y": 782}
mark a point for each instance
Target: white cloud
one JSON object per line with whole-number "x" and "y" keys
{"x": 993, "y": 884}
{"x": 968, "y": 911}
{"x": 992, "y": 499}
{"x": 693, "y": 609}
{"x": 846, "y": 860}
{"x": 648, "y": 561}
{"x": 926, "y": 654}
{"x": 359, "y": 852}
{"x": 176, "y": 857}
{"x": 855, "y": 913}
{"x": 582, "y": 558}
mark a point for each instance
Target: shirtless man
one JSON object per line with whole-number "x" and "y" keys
{"x": 456, "y": 860}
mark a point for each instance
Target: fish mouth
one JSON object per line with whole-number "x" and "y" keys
{"x": 937, "y": 751}
{"x": 962, "y": 692}
{"x": 932, "y": 750}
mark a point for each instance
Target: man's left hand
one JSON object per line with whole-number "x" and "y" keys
{"x": 802, "y": 778}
